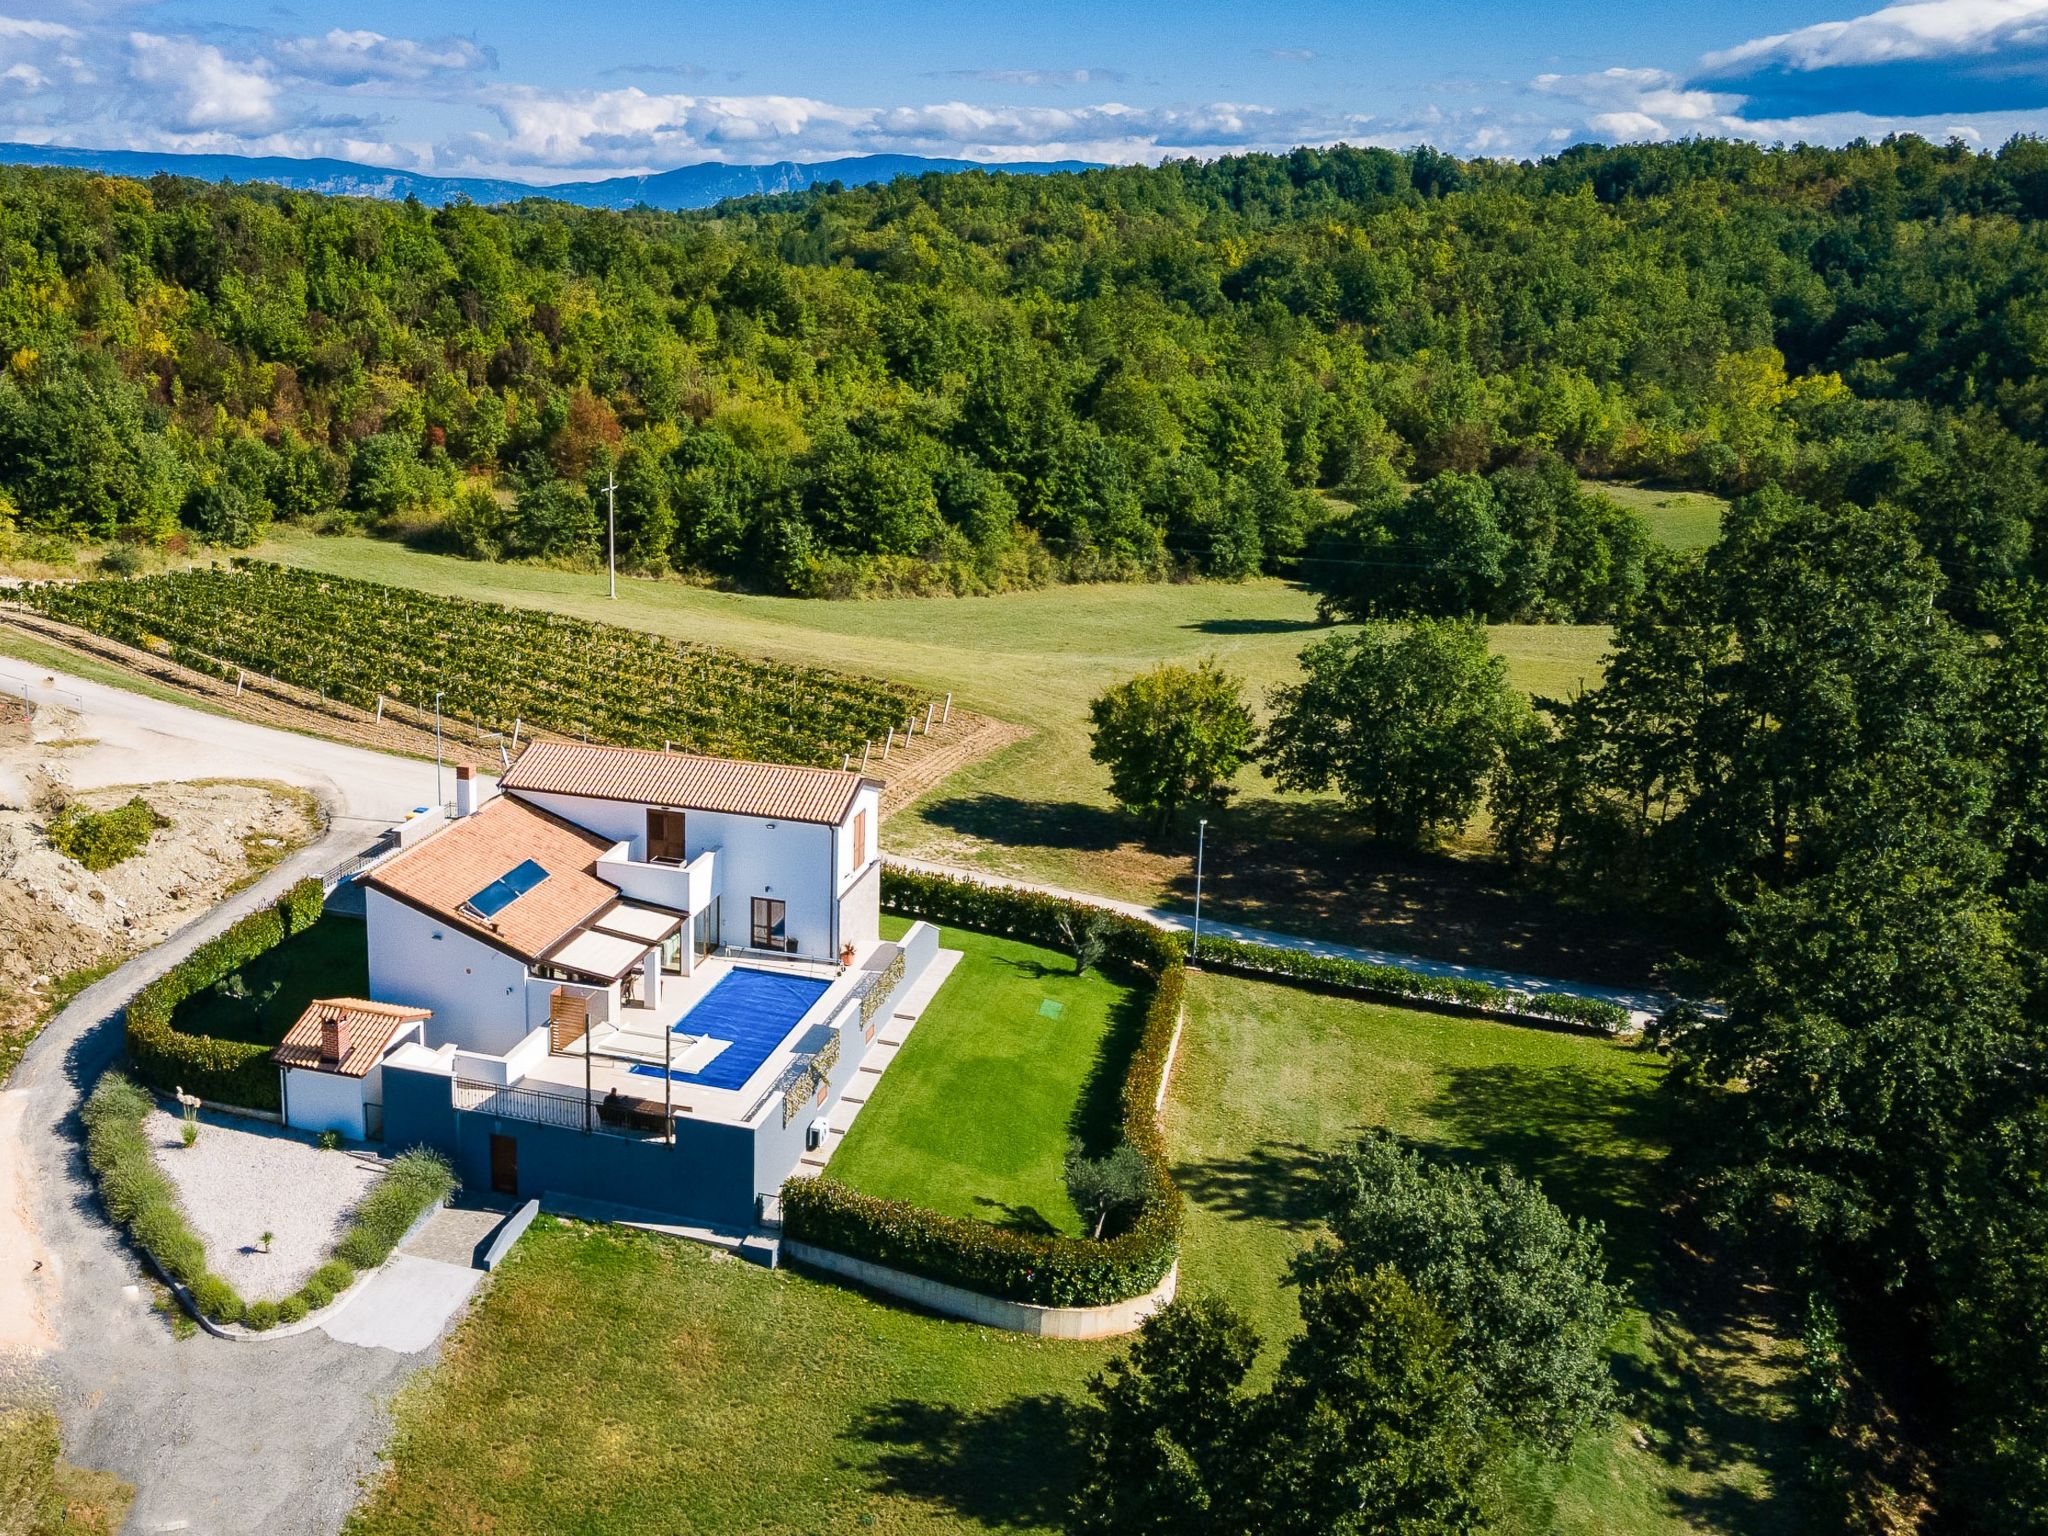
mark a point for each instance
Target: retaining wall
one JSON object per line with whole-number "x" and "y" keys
{"x": 1071, "y": 1323}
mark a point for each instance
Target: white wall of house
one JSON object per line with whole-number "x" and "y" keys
{"x": 788, "y": 861}
{"x": 325, "y": 1101}
{"x": 476, "y": 992}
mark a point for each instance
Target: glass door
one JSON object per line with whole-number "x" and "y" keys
{"x": 770, "y": 924}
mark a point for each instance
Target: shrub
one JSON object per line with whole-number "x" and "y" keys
{"x": 99, "y": 840}
{"x": 227, "y": 1071}
{"x": 292, "y": 1309}
{"x": 336, "y": 1276}
{"x": 260, "y": 1316}
{"x": 141, "y": 1198}
{"x": 215, "y": 1298}
{"x": 1391, "y": 981}
{"x": 1128, "y": 942}
{"x": 996, "y": 1261}
{"x": 415, "y": 1180}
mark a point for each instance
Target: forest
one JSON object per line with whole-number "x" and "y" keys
{"x": 1820, "y": 747}
{"x": 972, "y": 382}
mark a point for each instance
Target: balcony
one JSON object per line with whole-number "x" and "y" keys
{"x": 679, "y": 887}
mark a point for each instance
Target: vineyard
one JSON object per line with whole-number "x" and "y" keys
{"x": 497, "y": 668}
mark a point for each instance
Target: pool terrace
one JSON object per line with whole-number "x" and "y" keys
{"x": 723, "y": 1038}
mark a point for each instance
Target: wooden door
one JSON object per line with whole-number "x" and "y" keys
{"x": 505, "y": 1165}
{"x": 664, "y": 836}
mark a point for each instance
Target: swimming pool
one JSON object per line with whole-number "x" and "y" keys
{"x": 754, "y": 1011}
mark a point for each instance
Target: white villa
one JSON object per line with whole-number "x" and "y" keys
{"x": 603, "y": 871}
{"x": 622, "y": 952}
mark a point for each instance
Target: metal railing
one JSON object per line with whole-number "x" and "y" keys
{"x": 560, "y": 1111}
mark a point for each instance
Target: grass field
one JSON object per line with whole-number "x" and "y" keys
{"x": 1273, "y": 1077}
{"x": 1040, "y": 809}
{"x": 616, "y": 1383}
{"x": 1677, "y": 519}
{"x": 330, "y": 959}
{"x": 41, "y": 1494}
{"x": 1015, "y": 1054}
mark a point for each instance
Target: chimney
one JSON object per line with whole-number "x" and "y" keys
{"x": 333, "y": 1040}
{"x": 465, "y": 790}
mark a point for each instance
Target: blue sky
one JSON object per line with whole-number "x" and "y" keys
{"x": 551, "y": 90}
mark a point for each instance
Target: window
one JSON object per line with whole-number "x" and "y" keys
{"x": 706, "y": 923}
{"x": 771, "y": 929}
{"x": 860, "y": 838}
{"x": 664, "y": 836}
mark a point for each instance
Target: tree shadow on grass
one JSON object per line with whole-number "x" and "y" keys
{"x": 1013, "y": 1465}
{"x": 1037, "y": 970}
{"x": 1098, "y": 1111}
{"x": 1592, "y": 1143}
{"x": 1254, "y": 626}
{"x": 1014, "y": 1218}
{"x": 1275, "y": 1182}
{"x": 1065, "y": 824}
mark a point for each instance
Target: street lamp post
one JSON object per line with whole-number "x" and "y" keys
{"x": 1201, "y": 844}
{"x": 611, "y": 533}
{"x": 437, "y": 749}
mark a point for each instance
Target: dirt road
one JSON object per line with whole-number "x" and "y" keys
{"x": 215, "y": 1436}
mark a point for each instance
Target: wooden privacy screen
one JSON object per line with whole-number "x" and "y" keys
{"x": 568, "y": 1018}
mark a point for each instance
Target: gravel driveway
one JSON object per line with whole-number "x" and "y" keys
{"x": 217, "y": 1437}
{"x": 243, "y": 1178}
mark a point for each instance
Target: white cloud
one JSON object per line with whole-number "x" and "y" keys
{"x": 631, "y": 129}
{"x": 1037, "y": 79}
{"x": 1919, "y": 30}
{"x": 198, "y": 89}
{"x": 348, "y": 58}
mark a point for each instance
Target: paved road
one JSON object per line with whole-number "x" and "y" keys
{"x": 1641, "y": 1000}
{"x": 216, "y": 1436}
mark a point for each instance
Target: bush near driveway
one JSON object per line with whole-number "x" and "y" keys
{"x": 144, "y": 1203}
{"x": 224, "y": 1071}
{"x": 98, "y": 840}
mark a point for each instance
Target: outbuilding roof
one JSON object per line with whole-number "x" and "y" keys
{"x": 535, "y": 873}
{"x": 367, "y": 1029}
{"x": 773, "y": 791}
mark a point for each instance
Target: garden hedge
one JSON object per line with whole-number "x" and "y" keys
{"x": 1391, "y": 981}
{"x": 222, "y": 1071}
{"x": 140, "y": 1197}
{"x": 1070, "y": 1271}
{"x": 1054, "y": 1271}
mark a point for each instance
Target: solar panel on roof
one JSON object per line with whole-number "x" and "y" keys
{"x": 506, "y": 889}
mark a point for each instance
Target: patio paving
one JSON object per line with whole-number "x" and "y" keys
{"x": 243, "y": 1178}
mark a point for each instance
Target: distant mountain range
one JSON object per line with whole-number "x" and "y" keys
{"x": 687, "y": 186}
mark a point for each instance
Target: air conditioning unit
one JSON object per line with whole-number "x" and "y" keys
{"x": 816, "y": 1132}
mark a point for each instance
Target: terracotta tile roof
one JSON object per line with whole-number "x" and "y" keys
{"x": 370, "y": 1027}
{"x": 456, "y": 863}
{"x": 775, "y": 791}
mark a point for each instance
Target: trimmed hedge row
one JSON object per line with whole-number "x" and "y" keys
{"x": 1394, "y": 982}
{"x": 947, "y": 900}
{"x": 223, "y": 1071}
{"x": 1054, "y": 1271}
{"x": 139, "y": 1195}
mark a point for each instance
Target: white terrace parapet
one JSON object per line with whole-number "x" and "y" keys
{"x": 679, "y": 887}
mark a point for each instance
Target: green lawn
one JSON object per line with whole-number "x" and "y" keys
{"x": 1040, "y": 809}
{"x": 611, "y": 1382}
{"x": 1015, "y": 1054}
{"x": 615, "y": 1383}
{"x": 330, "y": 959}
{"x": 1677, "y": 519}
{"x": 1272, "y": 1077}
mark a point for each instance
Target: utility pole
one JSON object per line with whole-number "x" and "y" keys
{"x": 437, "y": 754}
{"x": 611, "y": 532}
{"x": 1201, "y": 843}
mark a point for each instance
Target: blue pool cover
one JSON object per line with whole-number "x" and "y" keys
{"x": 755, "y": 1011}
